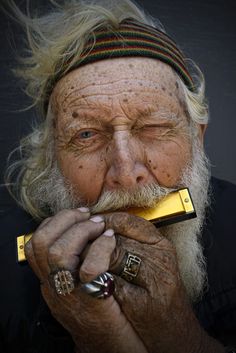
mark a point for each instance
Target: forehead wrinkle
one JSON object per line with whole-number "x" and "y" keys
{"x": 169, "y": 115}
{"x": 83, "y": 106}
{"x": 63, "y": 89}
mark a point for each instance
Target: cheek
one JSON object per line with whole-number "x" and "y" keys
{"x": 85, "y": 174}
{"x": 167, "y": 162}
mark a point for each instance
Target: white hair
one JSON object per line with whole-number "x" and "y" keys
{"x": 54, "y": 38}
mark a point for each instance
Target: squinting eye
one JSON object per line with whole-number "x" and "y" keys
{"x": 86, "y": 134}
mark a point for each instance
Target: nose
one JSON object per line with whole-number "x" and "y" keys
{"x": 126, "y": 168}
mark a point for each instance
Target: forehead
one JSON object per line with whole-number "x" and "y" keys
{"x": 106, "y": 79}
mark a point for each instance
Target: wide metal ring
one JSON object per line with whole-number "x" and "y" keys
{"x": 102, "y": 287}
{"x": 131, "y": 267}
{"x": 64, "y": 282}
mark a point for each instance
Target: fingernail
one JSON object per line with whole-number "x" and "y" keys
{"x": 97, "y": 219}
{"x": 83, "y": 209}
{"x": 109, "y": 233}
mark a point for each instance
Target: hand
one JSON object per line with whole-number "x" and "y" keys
{"x": 95, "y": 325}
{"x": 156, "y": 303}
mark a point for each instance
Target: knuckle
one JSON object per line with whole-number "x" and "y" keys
{"x": 117, "y": 255}
{"x": 28, "y": 249}
{"x": 38, "y": 237}
{"x": 87, "y": 229}
{"x": 67, "y": 213}
{"x": 54, "y": 252}
{"x": 117, "y": 219}
{"x": 87, "y": 272}
{"x": 45, "y": 221}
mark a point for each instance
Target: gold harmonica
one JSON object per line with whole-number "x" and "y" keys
{"x": 175, "y": 207}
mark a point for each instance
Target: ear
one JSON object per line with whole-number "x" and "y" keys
{"x": 201, "y": 132}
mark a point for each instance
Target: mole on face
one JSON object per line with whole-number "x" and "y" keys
{"x": 163, "y": 88}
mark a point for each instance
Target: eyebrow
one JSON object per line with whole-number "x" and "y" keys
{"x": 93, "y": 118}
{"x": 84, "y": 119}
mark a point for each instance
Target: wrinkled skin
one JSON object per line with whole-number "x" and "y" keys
{"x": 120, "y": 125}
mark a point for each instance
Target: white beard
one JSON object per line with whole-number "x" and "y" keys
{"x": 56, "y": 194}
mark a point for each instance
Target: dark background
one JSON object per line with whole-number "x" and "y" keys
{"x": 205, "y": 30}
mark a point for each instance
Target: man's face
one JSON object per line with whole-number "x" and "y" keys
{"x": 120, "y": 124}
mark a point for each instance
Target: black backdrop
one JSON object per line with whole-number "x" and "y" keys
{"x": 205, "y": 30}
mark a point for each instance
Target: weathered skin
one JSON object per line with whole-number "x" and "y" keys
{"x": 130, "y": 113}
{"x": 119, "y": 124}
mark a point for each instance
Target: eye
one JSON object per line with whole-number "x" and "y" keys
{"x": 86, "y": 134}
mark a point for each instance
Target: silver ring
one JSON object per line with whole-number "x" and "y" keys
{"x": 63, "y": 282}
{"x": 131, "y": 267}
{"x": 101, "y": 287}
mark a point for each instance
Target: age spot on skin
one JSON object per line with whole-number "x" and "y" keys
{"x": 75, "y": 115}
{"x": 72, "y": 87}
{"x": 163, "y": 88}
{"x": 125, "y": 100}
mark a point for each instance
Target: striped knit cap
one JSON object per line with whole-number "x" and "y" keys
{"x": 131, "y": 39}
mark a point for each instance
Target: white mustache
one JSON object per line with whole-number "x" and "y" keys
{"x": 145, "y": 196}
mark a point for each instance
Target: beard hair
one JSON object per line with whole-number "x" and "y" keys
{"x": 56, "y": 194}
{"x": 186, "y": 236}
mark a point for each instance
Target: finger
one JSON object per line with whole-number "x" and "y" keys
{"x": 50, "y": 230}
{"x": 64, "y": 253}
{"x": 133, "y": 227}
{"x": 29, "y": 252}
{"x": 45, "y": 235}
{"x": 44, "y": 222}
{"x": 98, "y": 257}
{"x": 143, "y": 264}
{"x": 127, "y": 293}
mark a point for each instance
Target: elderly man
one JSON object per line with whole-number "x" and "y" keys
{"x": 123, "y": 126}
